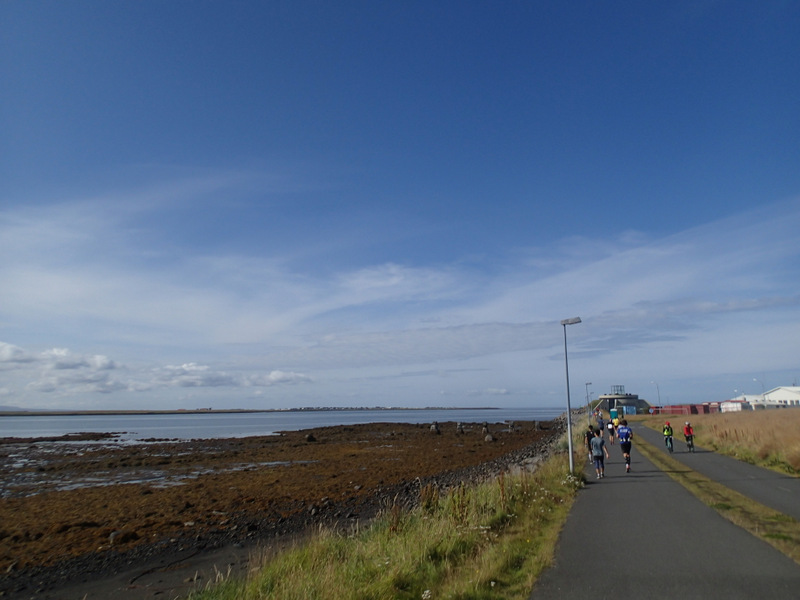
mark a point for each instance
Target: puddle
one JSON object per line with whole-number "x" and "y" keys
{"x": 28, "y": 470}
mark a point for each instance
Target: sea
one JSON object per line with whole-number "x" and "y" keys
{"x": 211, "y": 425}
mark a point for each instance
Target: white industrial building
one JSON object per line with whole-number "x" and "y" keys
{"x": 783, "y": 396}
{"x": 779, "y": 397}
{"x": 736, "y": 405}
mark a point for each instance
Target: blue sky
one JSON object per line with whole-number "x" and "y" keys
{"x": 269, "y": 205}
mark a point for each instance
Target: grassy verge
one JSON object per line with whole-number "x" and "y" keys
{"x": 767, "y": 438}
{"x": 777, "y": 529}
{"x": 488, "y": 541}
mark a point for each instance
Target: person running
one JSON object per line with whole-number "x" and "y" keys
{"x": 598, "y": 449}
{"x": 610, "y": 428}
{"x": 688, "y": 434}
{"x": 587, "y": 441}
{"x": 625, "y": 436}
{"x": 667, "y": 431}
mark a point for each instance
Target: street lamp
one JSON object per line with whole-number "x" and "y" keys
{"x": 658, "y": 389}
{"x": 588, "y": 405}
{"x": 564, "y": 323}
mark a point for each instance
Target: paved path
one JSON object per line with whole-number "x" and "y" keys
{"x": 780, "y": 492}
{"x": 643, "y": 535}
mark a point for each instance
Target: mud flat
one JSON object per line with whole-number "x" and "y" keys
{"x": 85, "y": 509}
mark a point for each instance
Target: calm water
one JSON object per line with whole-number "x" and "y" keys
{"x": 225, "y": 425}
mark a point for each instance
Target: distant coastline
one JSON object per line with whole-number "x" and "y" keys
{"x": 13, "y": 412}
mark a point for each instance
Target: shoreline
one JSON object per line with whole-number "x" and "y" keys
{"x": 218, "y": 411}
{"x": 228, "y": 494}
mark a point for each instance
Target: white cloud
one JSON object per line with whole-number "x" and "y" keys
{"x": 13, "y": 354}
{"x": 276, "y": 377}
{"x": 194, "y": 375}
{"x": 64, "y": 374}
{"x": 61, "y": 358}
{"x": 490, "y": 392}
{"x": 77, "y": 382}
{"x": 82, "y": 276}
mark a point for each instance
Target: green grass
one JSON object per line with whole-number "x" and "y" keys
{"x": 482, "y": 542}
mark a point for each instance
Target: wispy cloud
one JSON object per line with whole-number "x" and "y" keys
{"x": 194, "y": 375}
{"x": 82, "y": 276}
{"x": 65, "y": 375}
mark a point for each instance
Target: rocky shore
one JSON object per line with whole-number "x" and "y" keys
{"x": 76, "y": 512}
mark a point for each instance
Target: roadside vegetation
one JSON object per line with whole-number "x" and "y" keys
{"x": 767, "y": 438}
{"x": 488, "y": 541}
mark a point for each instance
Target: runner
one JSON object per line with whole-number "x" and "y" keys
{"x": 610, "y": 428}
{"x": 587, "y": 441}
{"x": 598, "y": 448}
{"x": 625, "y": 436}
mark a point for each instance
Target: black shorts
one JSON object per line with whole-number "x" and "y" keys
{"x": 626, "y": 447}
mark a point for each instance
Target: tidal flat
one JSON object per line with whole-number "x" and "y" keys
{"x": 84, "y": 507}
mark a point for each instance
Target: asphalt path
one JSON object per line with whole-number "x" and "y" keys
{"x": 643, "y": 535}
{"x": 775, "y": 490}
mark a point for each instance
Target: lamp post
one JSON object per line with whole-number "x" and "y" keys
{"x": 588, "y": 404}
{"x": 564, "y": 323}
{"x": 658, "y": 389}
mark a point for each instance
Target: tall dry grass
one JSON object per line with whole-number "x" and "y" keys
{"x": 769, "y": 438}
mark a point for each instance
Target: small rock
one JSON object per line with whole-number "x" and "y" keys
{"x": 122, "y": 536}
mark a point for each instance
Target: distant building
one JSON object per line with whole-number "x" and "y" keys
{"x": 689, "y": 409}
{"x": 779, "y": 397}
{"x": 734, "y": 406}
{"x": 747, "y": 399}
{"x": 627, "y": 404}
